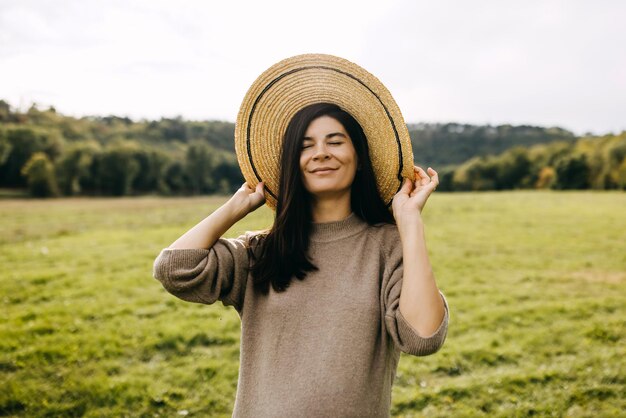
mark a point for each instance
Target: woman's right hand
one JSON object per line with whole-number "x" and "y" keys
{"x": 247, "y": 199}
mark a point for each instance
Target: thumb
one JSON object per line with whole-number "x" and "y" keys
{"x": 406, "y": 186}
{"x": 259, "y": 188}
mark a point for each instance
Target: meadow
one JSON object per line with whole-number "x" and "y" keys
{"x": 536, "y": 282}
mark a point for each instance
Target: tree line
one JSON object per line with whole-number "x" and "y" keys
{"x": 589, "y": 163}
{"x": 51, "y": 154}
{"x": 56, "y": 155}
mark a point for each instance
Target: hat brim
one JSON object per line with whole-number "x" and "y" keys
{"x": 293, "y": 83}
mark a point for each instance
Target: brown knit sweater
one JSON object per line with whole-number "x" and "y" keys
{"x": 329, "y": 345}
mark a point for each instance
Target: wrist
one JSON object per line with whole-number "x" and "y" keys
{"x": 412, "y": 227}
{"x": 235, "y": 210}
{"x": 410, "y": 222}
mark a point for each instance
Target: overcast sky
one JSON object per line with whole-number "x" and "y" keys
{"x": 547, "y": 63}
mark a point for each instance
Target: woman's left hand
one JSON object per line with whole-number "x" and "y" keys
{"x": 410, "y": 200}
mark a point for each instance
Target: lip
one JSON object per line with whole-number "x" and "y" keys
{"x": 323, "y": 170}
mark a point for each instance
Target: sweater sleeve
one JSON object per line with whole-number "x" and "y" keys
{"x": 206, "y": 275}
{"x": 404, "y": 336}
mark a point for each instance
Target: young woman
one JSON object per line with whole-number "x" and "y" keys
{"x": 341, "y": 283}
{"x": 332, "y": 293}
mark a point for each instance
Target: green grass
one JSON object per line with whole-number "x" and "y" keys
{"x": 536, "y": 283}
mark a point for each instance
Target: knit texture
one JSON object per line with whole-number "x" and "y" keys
{"x": 329, "y": 345}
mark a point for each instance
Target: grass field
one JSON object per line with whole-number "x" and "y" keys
{"x": 536, "y": 283}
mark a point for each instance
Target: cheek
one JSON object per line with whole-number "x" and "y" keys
{"x": 351, "y": 158}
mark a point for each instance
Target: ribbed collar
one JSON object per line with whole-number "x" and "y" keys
{"x": 335, "y": 230}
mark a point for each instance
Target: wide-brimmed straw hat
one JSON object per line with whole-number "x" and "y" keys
{"x": 295, "y": 82}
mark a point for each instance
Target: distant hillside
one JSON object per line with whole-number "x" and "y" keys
{"x": 449, "y": 144}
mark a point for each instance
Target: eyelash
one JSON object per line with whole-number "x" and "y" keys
{"x": 332, "y": 143}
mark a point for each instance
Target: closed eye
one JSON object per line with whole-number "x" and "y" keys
{"x": 331, "y": 143}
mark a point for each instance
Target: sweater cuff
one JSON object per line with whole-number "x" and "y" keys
{"x": 423, "y": 345}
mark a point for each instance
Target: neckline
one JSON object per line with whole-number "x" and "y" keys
{"x": 335, "y": 230}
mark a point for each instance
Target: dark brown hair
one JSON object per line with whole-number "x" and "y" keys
{"x": 284, "y": 246}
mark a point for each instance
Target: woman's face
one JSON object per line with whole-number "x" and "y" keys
{"x": 326, "y": 144}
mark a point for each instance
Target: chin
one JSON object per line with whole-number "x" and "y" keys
{"x": 324, "y": 190}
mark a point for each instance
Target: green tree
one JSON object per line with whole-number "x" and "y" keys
{"x": 479, "y": 173}
{"x": 621, "y": 175}
{"x": 176, "y": 179}
{"x": 5, "y": 147}
{"x": 512, "y": 168}
{"x": 152, "y": 166}
{"x": 614, "y": 159}
{"x": 572, "y": 172}
{"x": 229, "y": 176}
{"x": 39, "y": 172}
{"x": 200, "y": 162}
{"x": 74, "y": 166}
{"x": 446, "y": 183}
{"x": 117, "y": 167}
{"x": 24, "y": 141}
{"x": 5, "y": 111}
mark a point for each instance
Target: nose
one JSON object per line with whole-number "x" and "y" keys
{"x": 321, "y": 153}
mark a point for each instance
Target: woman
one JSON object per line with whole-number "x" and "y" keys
{"x": 328, "y": 343}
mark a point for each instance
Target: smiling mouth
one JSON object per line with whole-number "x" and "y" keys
{"x": 323, "y": 171}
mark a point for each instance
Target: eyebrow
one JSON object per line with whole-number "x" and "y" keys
{"x": 330, "y": 135}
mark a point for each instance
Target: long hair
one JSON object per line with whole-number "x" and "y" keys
{"x": 284, "y": 246}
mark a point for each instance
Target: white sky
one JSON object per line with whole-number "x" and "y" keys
{"x": 547, "y": 63}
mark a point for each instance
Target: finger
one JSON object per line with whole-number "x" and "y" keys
{"x": 421, "y": 172}
{"x": 435, "y": 177}
{"x": 259, "y": 187}
{"x": 418, "y": 175}
{"x": 424, "y": 179}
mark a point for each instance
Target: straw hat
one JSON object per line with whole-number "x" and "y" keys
{"x": 295, "y": 82}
